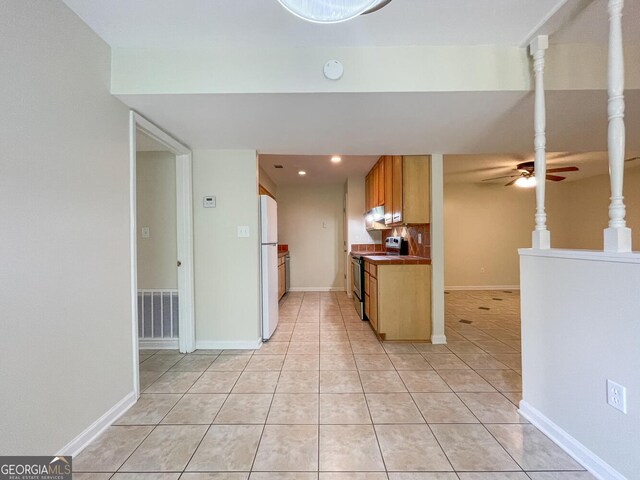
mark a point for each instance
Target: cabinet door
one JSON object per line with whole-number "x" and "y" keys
{"x": 373, "y": 300}
{"x": 388, "y": 189}
{"x": 415, "y": 188}
{"x": 367, "y": 278}
{"x": 281, "y": 280}
{"x": 374, "y": 187}
{"x": 397, "y": 189}
{"x": 368, "y": 192}
{"x": 381, "y": 182}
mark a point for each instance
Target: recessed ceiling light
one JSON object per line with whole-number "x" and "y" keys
{"x": 336, "y": 158}
{"x": 302, "y": 172}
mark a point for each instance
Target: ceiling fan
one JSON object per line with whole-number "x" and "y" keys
{"x": 526, "y": 175}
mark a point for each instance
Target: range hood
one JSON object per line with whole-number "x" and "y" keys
{"x": 374, "y": 219}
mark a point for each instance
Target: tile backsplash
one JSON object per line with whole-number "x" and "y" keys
{"x": 367, "y": 247}
{"x": 411, "y": 232}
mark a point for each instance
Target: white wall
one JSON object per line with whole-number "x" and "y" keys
{"x": 226, "y": 267}
{"x": 311, "y": 222}
{"x": 156, "y": 209}
{"x": 65, "y": 348}
{"x": 579, "y": 328}
{"x": 357, "y": 231}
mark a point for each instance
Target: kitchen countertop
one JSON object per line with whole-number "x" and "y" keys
{"x": 379, "y": 258}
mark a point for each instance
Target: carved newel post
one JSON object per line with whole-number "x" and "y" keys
{"x": 540, "y": 237}
{"x": 617, "y": 238}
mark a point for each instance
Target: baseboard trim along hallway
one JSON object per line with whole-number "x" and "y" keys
{"x": 75, "y": 446}
{"x": 228, "y": 345}
{"x": 158, "y": 344}
{"x": 483, "y": 287}
{"x": 581, "y": 454}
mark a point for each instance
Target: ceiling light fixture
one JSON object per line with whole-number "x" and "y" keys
{"x": 336, "y": 159}
{"x": 331, "y": 11}
{"x": 302, "y": 173}
{"x": 526, "y": 182}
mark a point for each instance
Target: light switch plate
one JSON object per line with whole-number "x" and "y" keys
{"x": 145, "y": 232}
{"x": 209, "y": 202}
{"x": 243, "y": 231}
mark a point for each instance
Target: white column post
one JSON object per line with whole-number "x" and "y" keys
{"x": 617, "y": 238}
{"x": 540, "y": 237}
{"x": 437, "y": 249}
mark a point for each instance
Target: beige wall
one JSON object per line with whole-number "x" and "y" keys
{"x": 156, "y": 209}
{"x": 227, "y": 268}
{"x": 311, "y": 222}
{"x": 267, "y": 182}
{"x": 486, "y": 224}
{"x": 585, "y": 211}
{"x": 65, "y": 348}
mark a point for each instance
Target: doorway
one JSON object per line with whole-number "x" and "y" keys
{"x": 165, "y": 313}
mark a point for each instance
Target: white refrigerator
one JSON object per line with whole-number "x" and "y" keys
{"x": 269, "y": 264}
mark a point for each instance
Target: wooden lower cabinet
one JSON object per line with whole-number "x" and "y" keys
{"x": 398, "y": 305}
{"x": 282, "y": 277}
{"x": 373, "y": 298}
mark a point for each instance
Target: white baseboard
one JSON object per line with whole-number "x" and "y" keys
{"x": 438, "y": 339}
{"x": 484, "y": 287}
{"x": 316, "y": 289}
{"x": 581, "y": 454}
{"x": 228, "y": 345}
{"x": 75, "y": 446}
{"x": 158, "y": 343}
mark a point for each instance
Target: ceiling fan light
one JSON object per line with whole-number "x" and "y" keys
{"x": 526, "y": 182}
{"x": 329, "y": 11}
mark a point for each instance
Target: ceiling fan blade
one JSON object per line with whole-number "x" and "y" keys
{"x": 512, "y": 182}
{"x": 498, "y": 178}
{"x": 555, "y": 178}
{"x": 377, "y": 7}
{"x": 563, "y": 169}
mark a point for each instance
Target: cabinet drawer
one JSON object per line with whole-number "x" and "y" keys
{"x": 373, "y": 271}
{"x": 366, "y": 266}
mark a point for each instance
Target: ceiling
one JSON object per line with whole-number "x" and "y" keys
{"x": 266, "y": 24}
{"x": 319, "y": 168}
{"x": 386, "y": 123}
{"x": 476, "y": 168}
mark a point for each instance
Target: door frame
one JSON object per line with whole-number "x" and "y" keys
{"x": 184, "y": 223}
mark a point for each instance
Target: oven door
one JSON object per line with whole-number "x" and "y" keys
{"x": 357, "y": 277}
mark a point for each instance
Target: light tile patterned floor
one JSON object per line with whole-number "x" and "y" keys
{"x": 324, "y": 400}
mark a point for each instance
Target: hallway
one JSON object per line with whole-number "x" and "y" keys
{"x": 324, "y": 399}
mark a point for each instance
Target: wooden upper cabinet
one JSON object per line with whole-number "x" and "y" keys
{"x": 367, "y": 192}
{"x": 388, "y": 188}
{"x": 416, "y": 189}
{"x": 381, "y": 181}
{"x": 397, "y": 189}
{"x": 374, "y": 187}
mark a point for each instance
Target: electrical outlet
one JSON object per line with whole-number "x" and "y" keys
{"x": 420, "y": 239}
{"x": 617, "y": 396}
{"x": 145, "y": 232}
{"x": 243, "y": 231}
{"x": 481, "y": 269}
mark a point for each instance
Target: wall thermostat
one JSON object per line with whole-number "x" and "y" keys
{"x": 333, "y": 70}
{"x": 209, "y": 202}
